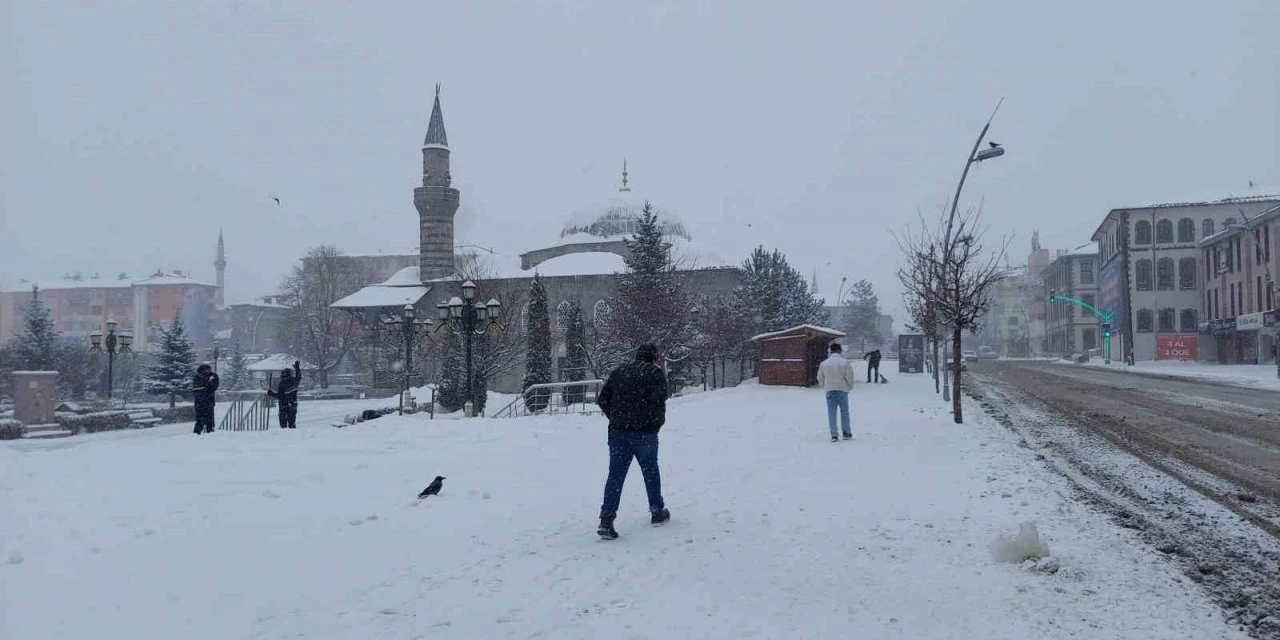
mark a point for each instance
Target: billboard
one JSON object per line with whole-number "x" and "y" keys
{"x": 911, "y": 353}
{"x": 1111, "y": 293}
{"x": 1177, "y": 347}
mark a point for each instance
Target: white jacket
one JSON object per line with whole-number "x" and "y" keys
{"x": 835, "y": 374}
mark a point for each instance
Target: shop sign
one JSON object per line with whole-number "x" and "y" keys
{"x": 1250, "y": 321}
{"x": 1178, "y": 347}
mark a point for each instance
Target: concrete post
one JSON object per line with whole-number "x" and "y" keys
{"x": 33, "y": 395}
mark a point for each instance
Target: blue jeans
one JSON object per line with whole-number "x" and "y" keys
{"x": 623, "y": 446}
{"x": 838, "y": 399}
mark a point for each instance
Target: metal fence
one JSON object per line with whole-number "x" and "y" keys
{"x": 249, "y": 411}
{"x": 555, "y": 397}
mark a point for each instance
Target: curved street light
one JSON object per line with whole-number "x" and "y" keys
{"x": 115, "y": 343}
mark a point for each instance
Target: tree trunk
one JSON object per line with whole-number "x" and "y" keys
{"x": 173, "y": 399}
{"x": 937, "y": 375}
{"x": 955, "y": 379}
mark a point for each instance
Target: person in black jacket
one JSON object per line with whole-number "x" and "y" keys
{"x": 287, "y": 393}
{"x": 204, "y": 384}
{"x": 873, "y": 364}
{"x": 634, "y": 399}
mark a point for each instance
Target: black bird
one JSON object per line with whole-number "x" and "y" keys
{"x": 277, "y": 201}
{"x": 994, "y": 145}
{"x": 432, "y": 489}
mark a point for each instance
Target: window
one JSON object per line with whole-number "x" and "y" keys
{"x": 1167, "y": 318}
{"x": 1232, "y": 296}
{"x": 1144, "y": 321}
{"x": 1143, "y": 269}
{"x": 1217, "y": 305}
{"x": 1142, "y": 232}
{"x": 524, "y": 319}
{"x": 1258, "y": 291}
{"x": 1208, "y": 304}
{"x": 1239, "y": 262}
{"x": 1187, "y": 273}
{"x": 602, "y": 314}
{"x": 1089, "y": 338}
{"x": 1164, "y": 274}
{"x": 1086, "y": 272}
{"x": 1266, "y": 243}
{"x": 1206, "y": 228}
{"x": 562, "y": 316}
{"x": 1164, "y": 232}
{"x": 1186, "y": 230}
{"x": 1088, "y": 299}
{"x": 1208, "y": 260}
{"x": 1188, "y": 321}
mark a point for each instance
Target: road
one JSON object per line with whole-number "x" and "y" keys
{"x": 1231, "y": 432}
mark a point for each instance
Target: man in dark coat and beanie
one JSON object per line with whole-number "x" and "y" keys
{"x": 634, "y": 399}
{"x": 204, "y": 384}
{"x": 287, "y": 393}
{"x": 873, "y": 365}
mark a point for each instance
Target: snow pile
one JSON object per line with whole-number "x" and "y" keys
{"x": 1261, "y": 376}
{"x": 1026, "y": 545}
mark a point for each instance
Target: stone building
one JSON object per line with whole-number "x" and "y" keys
{"x": 579, "y": 263}
{"x": 1070, "y": 328}
{"x": 1150, "y": 271}
{"x": 1239, "y": 300}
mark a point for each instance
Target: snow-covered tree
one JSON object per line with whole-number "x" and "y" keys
{"x": 776, "y": 293}
{"x": 575, "y": 339}
{"x": 537, "y": 335}
{"x": 452, "y": 391}
{"x": 323, "y": 335}
{"x": 35, "y": 346}
{"x": 862, "y": 320}
{"x": 237, "y": 376}
{"x": 175, "y": 364}
{"x": 651, "y": 304}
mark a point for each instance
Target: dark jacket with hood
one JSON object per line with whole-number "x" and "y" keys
{"x": 287, "y": 389}
{"x": 634, "y": 398}
{"x": 204, "y": 384}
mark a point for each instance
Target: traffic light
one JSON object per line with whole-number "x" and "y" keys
{"x": 1053, "y": 296}
{"x": 1106, "y": 329}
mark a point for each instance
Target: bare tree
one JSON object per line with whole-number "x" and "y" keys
{"x": 949, "y": 271}
{"x": 323, "y": 335}
{"x": 918, "y": 275}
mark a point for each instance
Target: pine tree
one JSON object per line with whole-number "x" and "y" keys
{"x": 575, "y": 338}
{"x": 773, "y": 290}
{"x": 452, "y": 394}
{"x": 862, "y": 320}
{"x": 35, "y": 347}
{"x": 171, "y": 374}
{"x": 237, "y": 377}
{"x": 651, "y": 303}
{"x": 538, "y": 344}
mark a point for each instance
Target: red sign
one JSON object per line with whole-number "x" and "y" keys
{"x": 1175, "y": 348}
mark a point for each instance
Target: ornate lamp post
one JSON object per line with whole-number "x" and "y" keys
{"x": 409, "y": 327}
{"x": 471, "y": 319}
{"x": 115, "y": 343}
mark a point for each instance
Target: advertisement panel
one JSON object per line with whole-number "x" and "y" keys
{"x": 1177, "y": 347}
{"x": 1111, "y": 293}
{"x": 911, "y": 353}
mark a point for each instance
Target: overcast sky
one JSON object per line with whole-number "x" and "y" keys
{"x": 133, "y": 131}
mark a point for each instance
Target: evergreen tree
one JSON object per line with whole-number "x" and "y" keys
{"x": 862, "y": 319}
{"x": 171, "y": 374}
{"x": 537, "y": 335}
{"x": 35, "y": 346}
{"x": 773, "y": 290}
{"x": 237, "y": 376}
{"x": 452, "y": 394}
{"x": 575, "y": 338}
{"x": 651, "y": 303}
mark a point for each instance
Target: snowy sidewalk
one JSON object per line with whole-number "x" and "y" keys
{"x": 777, "y": 533}
{"x": 1258, "y": 376}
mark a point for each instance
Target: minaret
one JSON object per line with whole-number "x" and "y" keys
{"x": 220, "y": 263}
{"x": 436, "y": 202}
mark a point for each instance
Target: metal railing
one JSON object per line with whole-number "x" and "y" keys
{"x": 249, "y": 411}
{"x": 555, "y": 397}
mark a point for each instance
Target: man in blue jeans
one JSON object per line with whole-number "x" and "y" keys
{"x": 634, "y": 399}
{"x": 835, "y": 376}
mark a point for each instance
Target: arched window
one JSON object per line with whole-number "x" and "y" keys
{"x": 1143, "y": 271}
{"x": 1206, "y": 228}
{"x": 1164, "y": 274}
{"x": 1228, "y": 222}
{"x": 1164, "y": 232}
{"x": 524, "y": 318}
{"x": 1144, "y": 321}
{"x": 602, "y": 314}
{"x": 1186, "y": 230}
{"x": 1167, "y": 318}
{"x": 1142, "y": 232}
{"x": 562, "y": 316}
{"x": 1187, "y": 273}
{"x": 1188, "y": 321}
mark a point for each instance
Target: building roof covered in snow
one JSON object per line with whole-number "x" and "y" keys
{"x": 403, "y": 287}
{"x": 278, "y": 362}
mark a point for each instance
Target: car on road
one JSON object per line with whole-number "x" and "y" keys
{"x": 987, "y": 353}
{"x": 951, "y": 366}
{"x": 970, "y": 356}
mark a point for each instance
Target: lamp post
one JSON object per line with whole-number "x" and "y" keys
{"x": 409, "y": 327}
{"x": 214, "y": 353}
{"x": 115, "y": 343}
{"x": 471, "y": 319}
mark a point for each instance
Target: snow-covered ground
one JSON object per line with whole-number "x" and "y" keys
{"x": 776, "y": 532}
{"x": 1262, "y": 376}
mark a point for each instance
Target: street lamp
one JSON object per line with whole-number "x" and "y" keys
{"x": 214, "y": 353}
{"x": 471, "y": 319}
{"x": 115, "y": 343}
{"x": 409, "y": 326}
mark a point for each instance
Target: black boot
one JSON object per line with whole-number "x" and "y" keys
{"x": 606, "y": 529}
{"x": 660, "y": 517}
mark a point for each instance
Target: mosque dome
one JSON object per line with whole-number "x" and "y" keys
{"x": 618, "y": 217}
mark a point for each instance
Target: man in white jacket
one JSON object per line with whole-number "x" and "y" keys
{"x": 835, "y": 375}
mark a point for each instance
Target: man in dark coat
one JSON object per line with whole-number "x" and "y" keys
{"x": 873, "y": 364}
{"x": 634, "y": 399}
{"x": 204, "y": 384}
{"x": 287, "y": 393}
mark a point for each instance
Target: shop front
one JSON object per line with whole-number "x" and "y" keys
{"x": 1244, "y": 339}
